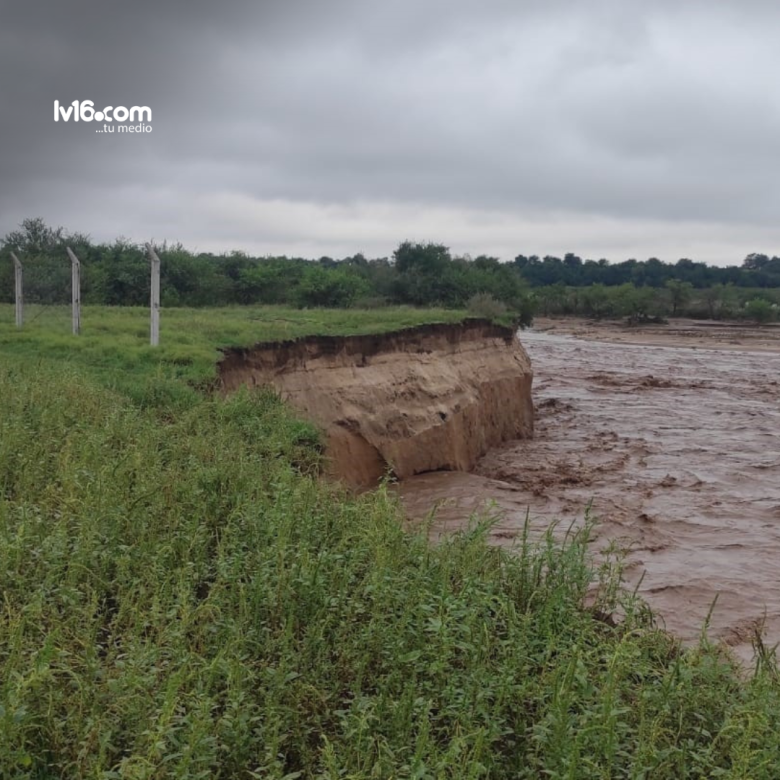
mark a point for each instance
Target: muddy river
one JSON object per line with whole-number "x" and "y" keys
{"x": 677, "y": 450}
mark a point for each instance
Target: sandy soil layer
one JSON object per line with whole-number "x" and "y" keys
{"x": 435, "y": 396}
{"x": 678, "y": 450}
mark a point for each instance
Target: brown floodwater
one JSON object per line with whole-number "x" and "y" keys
{"x": 677, "y": 450}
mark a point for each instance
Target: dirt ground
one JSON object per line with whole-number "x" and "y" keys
{"x": 672, "y": 435}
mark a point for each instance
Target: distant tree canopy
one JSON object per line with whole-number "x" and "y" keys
{"x": 419, "y": 274}
{"x": 756, "y": 271}
{"x": 117, "y": 273}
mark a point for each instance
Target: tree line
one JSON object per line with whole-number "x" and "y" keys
{"x": 418, "y": 274}
{"x": 651, "y": 304}
{"x": 117, "y": 274}
{"x": 756, "y": 270}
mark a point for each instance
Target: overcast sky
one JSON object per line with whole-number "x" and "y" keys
{"x": 611, "y": 129}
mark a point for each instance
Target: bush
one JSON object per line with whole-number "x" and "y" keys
{"x": 335, "y": 289}
{"x": 598, "y": 301}
{"x": 640, "y": 304}
{"x": 760, "y": 311}
{"x": 485, "y": 305}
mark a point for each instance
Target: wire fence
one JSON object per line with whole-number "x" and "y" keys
{"x": 47, "y": 290}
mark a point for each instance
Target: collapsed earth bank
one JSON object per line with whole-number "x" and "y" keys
{"x": 427, "y": 398}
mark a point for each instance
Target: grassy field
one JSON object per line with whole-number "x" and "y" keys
{"x": 114, "y": 342}
{"x": 181, "y": 596}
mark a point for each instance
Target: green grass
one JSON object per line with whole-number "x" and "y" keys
{"x": 114, "y": 342}
{"x": 181, "y": 596}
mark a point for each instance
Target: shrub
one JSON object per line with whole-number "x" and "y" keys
{"x": 335, "y": 289}
{"x": 760, "y": 311}
{"x": 485, "y": 305}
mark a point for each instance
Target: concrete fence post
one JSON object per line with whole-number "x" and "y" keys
{"x": 76, "y": 290}
{"x": 18, "y": 289}
{"x": 155, "y": 298}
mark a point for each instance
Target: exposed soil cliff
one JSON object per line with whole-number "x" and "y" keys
{"x": 420, "y": 399}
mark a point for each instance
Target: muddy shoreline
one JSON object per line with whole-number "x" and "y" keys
{"x": 672, "y": 435}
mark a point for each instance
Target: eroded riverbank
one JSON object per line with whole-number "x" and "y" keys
{"x": 421, "y": 399}
{"x": 678, "y": 450}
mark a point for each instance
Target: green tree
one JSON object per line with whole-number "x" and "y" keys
{"x": 124, "y": 274}
{"x": 551, "y": 299}
{"x": 720, "y": 300}
{"x": 271, "y": 280}
{"x": 680, "y": 293}
{"x": 426, "y": 259}
{"x": 35, "y": 237}
{"x": 338, "y": 288}
{"x": 46, "y": 266}
{"x": 598, "y": 301}
{"x": 639, "y": 304}
{"x": 760, "y": 311}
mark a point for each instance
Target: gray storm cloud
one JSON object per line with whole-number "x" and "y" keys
{"x": 611, "y": 129}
